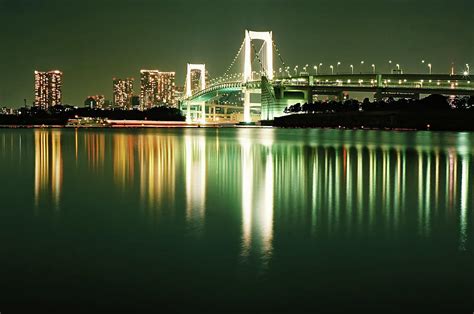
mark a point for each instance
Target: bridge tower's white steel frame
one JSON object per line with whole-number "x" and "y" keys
{"x": 202, "y": 69}
{"x": 267, "y": 38}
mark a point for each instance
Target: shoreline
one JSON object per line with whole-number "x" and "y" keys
{"x": 394, "y": 129}
{"x": 457, "y": 121}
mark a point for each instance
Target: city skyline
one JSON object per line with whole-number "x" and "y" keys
{"x": 306, "y": 31}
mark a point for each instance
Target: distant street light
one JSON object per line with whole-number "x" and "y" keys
{"x": 467, "y": 67}
{"x": 337, "y": 67}
{"x": 398, "y": 66}
{"x": 296, "y": 70}
{"x": 389, "y": 66}
{"x": 352, "y": 69}
{"x": 361, "y": 66}
{"x": 332, "y": 69}
{"x": 316, "y": 70}
{"x": 429, "y": 66}
{"x": 305, "y": 68}
{"x": 373, "y": 68}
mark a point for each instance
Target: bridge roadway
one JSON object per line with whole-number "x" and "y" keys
{"x": 334, "y": 84}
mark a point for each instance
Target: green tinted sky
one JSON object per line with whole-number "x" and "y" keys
{"x": 92, "y": 41}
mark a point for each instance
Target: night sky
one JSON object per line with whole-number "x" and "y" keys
{"x": 93, "y": 41}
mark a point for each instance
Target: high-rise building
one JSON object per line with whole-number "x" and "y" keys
{"x": 123, "y": 92}
{"x": 48, "y": 88}
{"x": 196, "y": 80}
{"x": 179, "y": 93}
{"x": 157, "y": 88}
{"x": 167, "y": 88}
{"x": 149, "y": 88}
{"x": 95, "y": 102}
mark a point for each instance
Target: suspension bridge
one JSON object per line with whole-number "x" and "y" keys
{"x": 276, "y": 90}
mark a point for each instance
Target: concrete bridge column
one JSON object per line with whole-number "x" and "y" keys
{"x": 378, "y": 95}
{"x": 340, "y": 96}
{"x": 203, "y": 112}
{"x": 188, "y": 112}
{"x": 309, "y": 95}
{"x": 247, "y": 118}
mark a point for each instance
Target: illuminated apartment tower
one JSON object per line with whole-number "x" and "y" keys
{"x": 167, "y": 88}
{"x": 149, "y": 88}
{"x": 157, "y": 88}
{"x": 196, "y": 80}
{"x": 48, "y": 88}
{"x": 123, "y": 93}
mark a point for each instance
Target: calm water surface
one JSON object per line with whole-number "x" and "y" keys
{"x": 240, "y": 220}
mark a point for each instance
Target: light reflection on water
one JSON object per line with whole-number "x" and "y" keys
{"x": 334, "y": 182}
{"x": 48, "y": 166}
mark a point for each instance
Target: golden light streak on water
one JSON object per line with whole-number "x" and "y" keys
{"x": 195, "y": 159}
{"x": 57, "y": 167}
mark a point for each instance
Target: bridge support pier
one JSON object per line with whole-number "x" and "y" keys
{"x": 203, "y": 112}
{"x": 378, "y": 95}
{"x": 340, "y": 96}
{"x": 247, "y": 118}
{"x": 188, "y": 112}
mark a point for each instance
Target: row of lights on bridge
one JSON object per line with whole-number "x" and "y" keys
{"x": 317, "y": 70}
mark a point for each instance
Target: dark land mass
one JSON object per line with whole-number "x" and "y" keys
{"x": 434, "y": 112}
{"x": 59, "y": 115}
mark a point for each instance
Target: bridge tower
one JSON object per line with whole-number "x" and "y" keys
{"x": 202, "y": 69}
{"x": 268, "y": 67}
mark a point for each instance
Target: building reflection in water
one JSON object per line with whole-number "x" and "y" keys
{"x": 48, "y": 166}
{"x": 95, "y": 149}
{"x": 257, "y": 196}
{"x": 124, "y": 161}
{"x": 157, "y": 169}
{"x": 195, "y": 167}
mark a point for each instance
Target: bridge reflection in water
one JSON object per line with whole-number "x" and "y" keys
{"x": 320, "y": 183}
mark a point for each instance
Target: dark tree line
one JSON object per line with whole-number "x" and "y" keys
{"x": 432, "y": 103}
{"x": 59, "y": 115}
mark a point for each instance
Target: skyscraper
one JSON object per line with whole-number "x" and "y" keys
{"x": 48, "y": 88}
{"x": 157, "y": 88}
{"x": 167, "y": 88}
{"x": 123, "y": 92}
{"x": 149, "y": 88}
{"x": 196, "y": 80}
